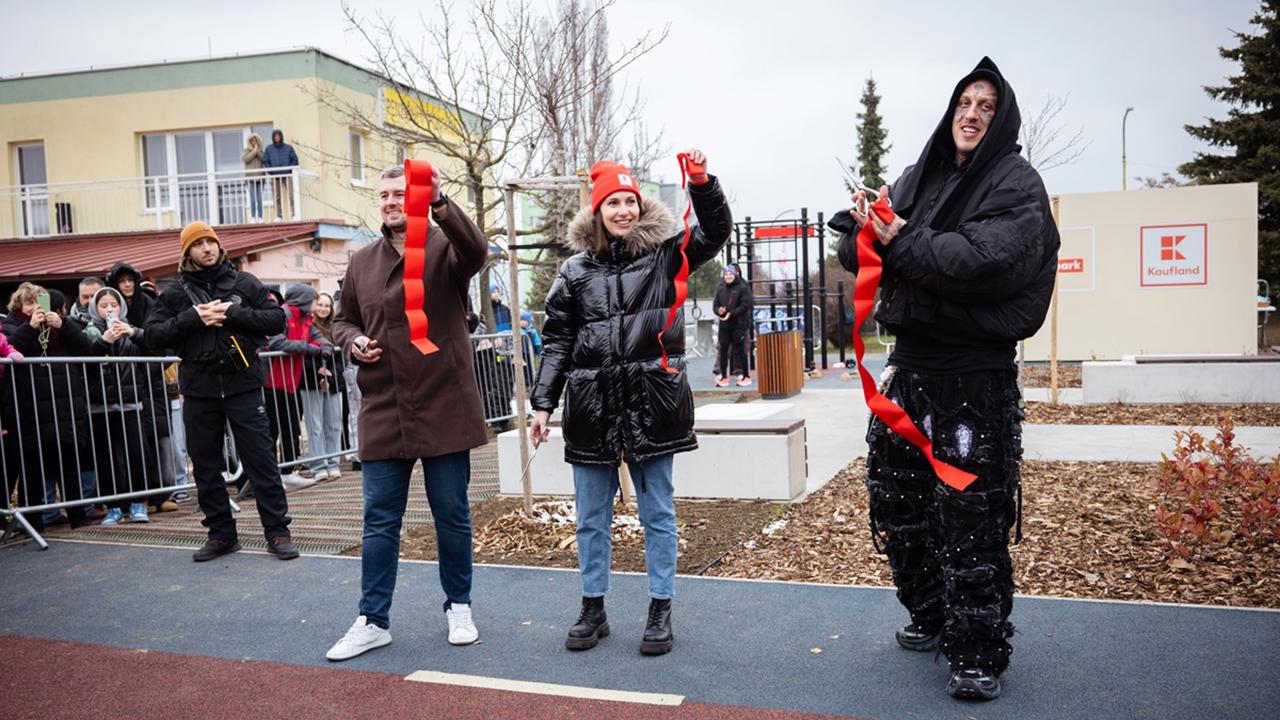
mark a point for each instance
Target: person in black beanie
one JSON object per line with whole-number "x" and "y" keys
{"x": 732, "y": 304}
{"x": 217, "y": 319}
{"x": 969, "y": 266}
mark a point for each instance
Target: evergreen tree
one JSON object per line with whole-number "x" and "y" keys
{"x": 871, "y": 140}
{"x": 1252, "y": 128}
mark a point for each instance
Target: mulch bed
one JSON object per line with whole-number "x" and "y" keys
{"x": 1088, "y": 532}
{"x": 1037, "y": 376}
{"x": 1043, "y": 413}
{"x": 503, "y": 535}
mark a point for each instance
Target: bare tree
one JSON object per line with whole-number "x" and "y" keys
{"x": 1044, "y": 140}
{"x": 1165, "y": 180}
{"x": 569, "y": 75}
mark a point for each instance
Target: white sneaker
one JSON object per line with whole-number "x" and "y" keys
{"x": 294, "y": 481}
{"x": 462, "y": 631}
{"x": 361, "y": 638}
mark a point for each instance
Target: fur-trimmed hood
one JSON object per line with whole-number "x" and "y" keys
{"x": 655, "y": 226}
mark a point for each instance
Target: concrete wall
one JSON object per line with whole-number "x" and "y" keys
{"x": 1122, "y": 293}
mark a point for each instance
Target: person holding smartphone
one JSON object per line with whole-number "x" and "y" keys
{"x": 49, "y": 411}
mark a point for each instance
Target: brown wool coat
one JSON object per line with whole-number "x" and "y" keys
{"x": 415, "y": 405}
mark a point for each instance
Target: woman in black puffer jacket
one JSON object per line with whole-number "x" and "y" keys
{"x": 605, "y": 313}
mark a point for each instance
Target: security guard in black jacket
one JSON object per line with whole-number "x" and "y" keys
{"x": 217, "y": 319}
{"x": 969, "y": 266}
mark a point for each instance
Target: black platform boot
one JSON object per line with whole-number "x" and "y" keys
{"x": 658, "y": 637}
{"x": 915, "y": 637}
{"x": 592, "y": 625}
{"x": 974, "y": 683}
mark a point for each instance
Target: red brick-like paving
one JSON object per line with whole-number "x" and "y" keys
{"x": 70, "y": 680}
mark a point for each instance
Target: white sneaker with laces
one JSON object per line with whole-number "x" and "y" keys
{"x": 361, "y": 638}
{"x": 294, "y": 481}
{"x": 462, "y": 630}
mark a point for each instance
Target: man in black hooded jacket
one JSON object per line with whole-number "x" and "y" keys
{"x": 216, "y": 319}
{"x": 969, "y": 266}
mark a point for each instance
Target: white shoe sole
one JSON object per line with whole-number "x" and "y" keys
{"x": 462, "y": 642}
{"x": 357, "y": 652}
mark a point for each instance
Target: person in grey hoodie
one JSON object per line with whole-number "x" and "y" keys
{"x": 280, "y": 155}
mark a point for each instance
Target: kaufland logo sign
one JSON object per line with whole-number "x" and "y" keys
{"x": 1174, "y": 255}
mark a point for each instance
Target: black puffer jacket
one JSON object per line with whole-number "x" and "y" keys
{"x": 126, "y": 386}
{"x": 211, "y": 363}
{"x": 600, "y": 339}
{"x": 50, "y": 398}
{"x": 974, "y": 266}
{"x": 736, "y": 298}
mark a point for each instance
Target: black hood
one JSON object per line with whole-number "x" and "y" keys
{"x": 274, "y": 133}
{"x": 123, "y": 268}
{"x": 940, "y": 152}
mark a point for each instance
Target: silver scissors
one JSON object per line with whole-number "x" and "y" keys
{"x": 859, "y": 187}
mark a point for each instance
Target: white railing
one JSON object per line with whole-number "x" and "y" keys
{"x": 158, "y": 202}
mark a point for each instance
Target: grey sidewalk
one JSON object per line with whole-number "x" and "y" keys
{"x": 738, "y": 643}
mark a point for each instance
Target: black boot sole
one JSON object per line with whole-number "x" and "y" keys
{"x": 205, "y": 558}
{"x": 588, "y": 642}
{"x": 659, "y": 647}
{"x": 968, "y": 689}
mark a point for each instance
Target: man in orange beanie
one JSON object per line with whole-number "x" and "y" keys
{"x": 216, "y": 319}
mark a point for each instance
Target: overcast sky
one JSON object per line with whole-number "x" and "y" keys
{"x": 768, "y": 89}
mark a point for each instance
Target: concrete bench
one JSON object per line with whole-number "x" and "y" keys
{"x": 1213, "y": 379}
{"x": 739, "y": 458}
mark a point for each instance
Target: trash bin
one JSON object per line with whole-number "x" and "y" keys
{"x": 780, "y": 363}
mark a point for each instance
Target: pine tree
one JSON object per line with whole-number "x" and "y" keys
{"x": 871, "y": 140}
{"x": 1252, "y": 128}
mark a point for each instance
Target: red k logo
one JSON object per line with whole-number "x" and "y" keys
{"x": 1169, "y": 245}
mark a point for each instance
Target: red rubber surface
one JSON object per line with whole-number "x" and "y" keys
{"x": 68, "y": 680}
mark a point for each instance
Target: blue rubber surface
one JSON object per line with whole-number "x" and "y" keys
{"x": 737, "y": 643}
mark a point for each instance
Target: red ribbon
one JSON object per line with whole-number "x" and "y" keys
{"x": 864, "y": 295}
{"x": 417, "y": 207}
{"x": 687, "y": 167}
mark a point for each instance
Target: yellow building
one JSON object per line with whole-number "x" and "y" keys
{"x": 110, "y": 158}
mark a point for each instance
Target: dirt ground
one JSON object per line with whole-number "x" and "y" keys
{"x": 502, "y": 534}
{"x": 1043, "y": 413}
{"x": 1037, "y": 376}
{"x": 1088, "y": 532}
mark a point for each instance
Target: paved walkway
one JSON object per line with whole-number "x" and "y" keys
{"x": 777, "y": 647}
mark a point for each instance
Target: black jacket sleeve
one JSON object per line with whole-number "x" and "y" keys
{"x": 715, "y": 223}
{"x": 261, "y": 316}
{"x": 559, "y": 332}
{"x": 173, "y": 320}
{"x": 992, "y": 254}
{"x": 74, "y": 340}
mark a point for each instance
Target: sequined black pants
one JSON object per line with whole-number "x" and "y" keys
{"x": 949, "y": 549}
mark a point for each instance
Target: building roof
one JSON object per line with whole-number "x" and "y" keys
{"x": 155, "y": 252}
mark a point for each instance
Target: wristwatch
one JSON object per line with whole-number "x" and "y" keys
{"x": 440, "y": 204}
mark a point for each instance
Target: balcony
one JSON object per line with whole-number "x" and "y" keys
{"x": 158, "y": 202}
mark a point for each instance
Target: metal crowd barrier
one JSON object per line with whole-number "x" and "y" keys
{"x": 78, "y": 431}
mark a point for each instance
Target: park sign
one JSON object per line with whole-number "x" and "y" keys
{"x": 1174, "y": 255}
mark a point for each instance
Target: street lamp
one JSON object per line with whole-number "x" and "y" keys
{"x": 784, "y": 212}
{"x": 1124, "y": 158}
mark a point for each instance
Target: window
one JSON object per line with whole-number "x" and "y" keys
{"x": 34, "y": 192}
{"x": 155, "y": 166}
{"x": 357, "y": 158}
{"x": 200, "y": 174}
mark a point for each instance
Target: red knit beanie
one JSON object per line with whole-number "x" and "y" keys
{"x": 608, "y": 178}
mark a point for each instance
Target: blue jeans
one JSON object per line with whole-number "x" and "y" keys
{"x": 386, "y": 493}
{"x": 594, "y": 489}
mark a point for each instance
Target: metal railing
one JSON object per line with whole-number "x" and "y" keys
{"x": 159, "y": 202}
{"x": 79, "y": 431}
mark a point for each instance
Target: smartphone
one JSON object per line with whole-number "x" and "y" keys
{"x": 42, "y": 299}
{"x": 111, "y": 319}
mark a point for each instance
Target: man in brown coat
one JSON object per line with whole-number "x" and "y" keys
{"x": 416, "y": 407}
